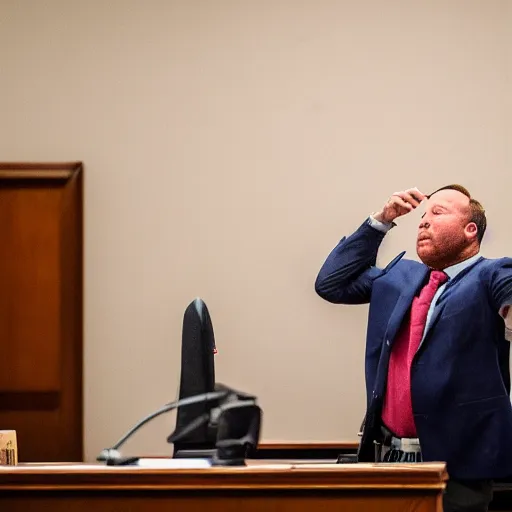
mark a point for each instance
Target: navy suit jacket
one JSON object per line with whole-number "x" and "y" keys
{"x": 460, "y": 379}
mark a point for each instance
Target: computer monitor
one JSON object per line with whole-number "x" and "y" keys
{"x": 197, "y": 376}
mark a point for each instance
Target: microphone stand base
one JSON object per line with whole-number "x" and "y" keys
{"x": 123, "y": 461}
{"x": 228, "y": 462}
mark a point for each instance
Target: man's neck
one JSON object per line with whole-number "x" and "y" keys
{"x": 464, "y": 255}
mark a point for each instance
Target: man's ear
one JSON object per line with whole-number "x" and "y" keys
{"x": 471, "y": 230}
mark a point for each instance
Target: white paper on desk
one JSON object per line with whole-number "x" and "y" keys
{"x": 174, "y": 463}
{"x": 157, "y": 463}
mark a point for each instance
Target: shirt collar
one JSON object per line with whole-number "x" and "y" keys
{"x": 452, "y": 271}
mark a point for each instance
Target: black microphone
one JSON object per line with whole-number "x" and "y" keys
{"x": 112, "y": 456}
{"x": 237, "y": 419}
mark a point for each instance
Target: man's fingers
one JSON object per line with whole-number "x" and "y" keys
{"x": 399, "y": 201}
{"x": 419, "y": 196}
{"x": 408, "y": 197}
{"x": 412, "y": 196}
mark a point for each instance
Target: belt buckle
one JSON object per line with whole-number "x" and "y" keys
{"x": 405, "y": 444}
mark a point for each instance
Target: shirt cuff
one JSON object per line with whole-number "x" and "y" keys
{"x": 380, "y": 226}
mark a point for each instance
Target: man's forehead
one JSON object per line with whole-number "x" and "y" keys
{"x": 449, "y": 197}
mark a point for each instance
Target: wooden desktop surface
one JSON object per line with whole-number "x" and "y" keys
{"x": 261, "y": 485}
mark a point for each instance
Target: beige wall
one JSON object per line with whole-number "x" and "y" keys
{"x": 227, "y": 146}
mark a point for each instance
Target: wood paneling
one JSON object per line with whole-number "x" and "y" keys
{"x": 259, "y": 486}
{"x": 41, "y": 308}
{"x": 307, "y": 450}
{"x": 308, "y": 445}
{"x": 255, "y": 475}
{"x": 147, "y": 501}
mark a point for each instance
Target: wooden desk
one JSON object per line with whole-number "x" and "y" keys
{"x": 261, "y": 486}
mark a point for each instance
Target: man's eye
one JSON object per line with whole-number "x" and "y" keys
{"x": 436, "y": 212}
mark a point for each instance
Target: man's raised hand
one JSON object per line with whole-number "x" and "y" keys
{"x": 400, "y": 203}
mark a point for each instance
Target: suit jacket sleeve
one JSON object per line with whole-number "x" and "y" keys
{"x": 347, "y": 274}
{"x": 500, "y": 283}
{"x": 500, "y": 287}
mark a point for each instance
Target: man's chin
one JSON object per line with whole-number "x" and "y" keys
{"x": 426, "y": 255}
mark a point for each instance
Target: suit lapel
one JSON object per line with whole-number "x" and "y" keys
{"x": 445, "y": 295}
{"x": 438, "y": 309}
{"x": 404, "y": 302}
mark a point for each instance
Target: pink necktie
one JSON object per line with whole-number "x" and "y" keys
{"x": 397, "y": 413}
{"x": 419, "y": 311}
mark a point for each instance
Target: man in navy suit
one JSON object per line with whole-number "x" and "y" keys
{"x": 437, "y": 343}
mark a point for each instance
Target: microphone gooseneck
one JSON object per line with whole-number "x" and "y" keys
{"x": 112, "y": 454}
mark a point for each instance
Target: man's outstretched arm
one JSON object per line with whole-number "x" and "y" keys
{"x": 501, "y": 292}
{"x": 506, "y": 313}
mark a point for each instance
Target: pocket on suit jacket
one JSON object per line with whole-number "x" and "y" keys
{"x": 453, "y": 308}
{"x": 487, "y": 404}
{"x": 460, "y": 298}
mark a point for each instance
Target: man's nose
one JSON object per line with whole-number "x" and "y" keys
{"x": 424, "y": 224}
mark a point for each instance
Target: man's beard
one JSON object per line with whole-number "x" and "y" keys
{"x": 439, "y": 255}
